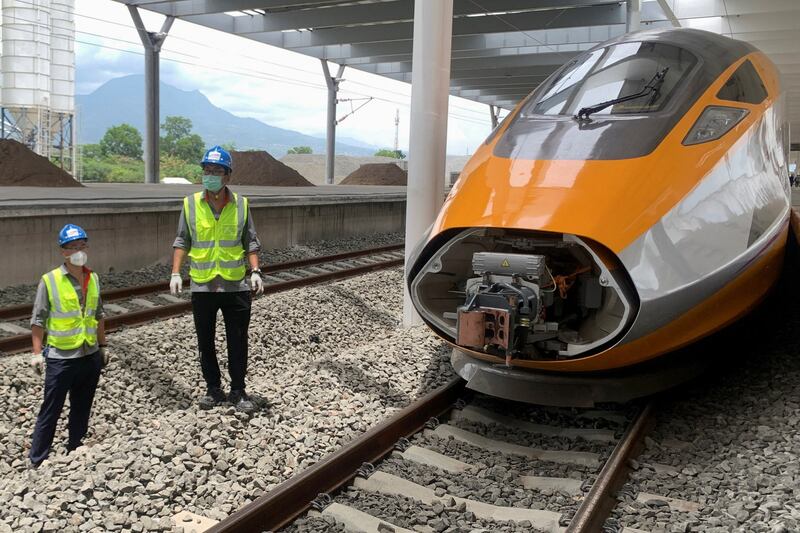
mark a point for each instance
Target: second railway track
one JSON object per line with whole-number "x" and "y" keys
{"x": 143, "y": 303}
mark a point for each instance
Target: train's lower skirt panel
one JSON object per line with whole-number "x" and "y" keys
{"x": 574, "y": 390}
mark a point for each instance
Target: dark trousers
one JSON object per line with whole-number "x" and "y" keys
{"x": 235, "y": 308}
{"x": 79, "y": 378}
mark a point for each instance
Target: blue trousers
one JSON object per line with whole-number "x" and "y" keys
{"x": 79, "y": 378}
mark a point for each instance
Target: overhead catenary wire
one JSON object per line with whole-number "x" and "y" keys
{"x": 251, "y": 73}
{"x": 247, "y": 73}
{"x": 254, "y": 58}
{"x": 352, "y": 109}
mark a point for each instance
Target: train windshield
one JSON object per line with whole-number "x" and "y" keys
{"x": 613, "y": 72}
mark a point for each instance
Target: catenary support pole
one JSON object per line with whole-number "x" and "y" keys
{"x": 430, "y": 86}
{"x": 634, "y": 17}
{"x": 152, "y": 42}
{"x": 333, "y": 90}
{"x": 665, "y": 7}
{"x": 493, "y": 113}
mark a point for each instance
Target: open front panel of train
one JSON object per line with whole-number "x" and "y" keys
{"x": 636, "y": 201}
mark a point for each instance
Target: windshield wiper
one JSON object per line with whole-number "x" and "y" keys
{"x": 652, "y": 87}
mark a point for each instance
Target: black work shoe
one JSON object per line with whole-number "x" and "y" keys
{"x": 213, "y": 397}
{"x": 241, "y": 401}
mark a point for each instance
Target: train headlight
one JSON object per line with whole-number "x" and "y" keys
{"x": 715, "y": 122}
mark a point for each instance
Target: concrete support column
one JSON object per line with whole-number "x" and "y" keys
{"x": 333, "y": 89}
{"x": 634, "y": 17}
{"x": 430, "y": 88}
{"x": 152, "y": 42}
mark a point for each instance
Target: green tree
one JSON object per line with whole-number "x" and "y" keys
{"x": 123, "y": 140}
{"x": 385, "y": 152}
{"x": 300, "y": 150}
{"x": 173, "y": 166}
{"x": 179, "y": 141}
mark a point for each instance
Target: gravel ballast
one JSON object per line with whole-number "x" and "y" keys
{"x": 731, "y": 439}
{"x": 328, "y": 361}
{"x": 21, "y": 294}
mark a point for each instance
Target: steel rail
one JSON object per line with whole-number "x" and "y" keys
{"x": 293, "y": 497}
{"x": 19, "y": 343}
{"x": 599, "y": 502}
{"x": 21, "y": 311}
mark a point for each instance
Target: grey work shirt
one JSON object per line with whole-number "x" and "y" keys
{"x": 250, "y": 243}
{"x": 41, "y": 310}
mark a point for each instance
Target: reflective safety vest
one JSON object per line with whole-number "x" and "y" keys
{"x": 216, "y": 244}
{"x": 68, "y": 327}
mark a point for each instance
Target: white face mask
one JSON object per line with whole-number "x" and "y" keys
{"x": 78, "y": 258}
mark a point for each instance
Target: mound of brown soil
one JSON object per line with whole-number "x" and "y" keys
{"x": 260, "y": 168}
{"x": 377, "y": 174}
{"x": 21, "y": 167}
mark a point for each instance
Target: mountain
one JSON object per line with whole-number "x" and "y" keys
{"x": 121, "y": 100}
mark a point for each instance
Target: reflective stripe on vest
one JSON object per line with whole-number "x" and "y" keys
{"x": 69, "y": 327}
{"x": 216, "y": 244}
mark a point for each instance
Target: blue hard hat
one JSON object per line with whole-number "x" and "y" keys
{"x": 218, "y": 156}
{"x": 70, "y": 233}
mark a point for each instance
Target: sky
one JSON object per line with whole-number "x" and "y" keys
{"x": 251, "y": 79}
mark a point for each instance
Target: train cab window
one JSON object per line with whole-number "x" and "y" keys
{"x": 744, "y": 85}
{"x": 612, "y": 72}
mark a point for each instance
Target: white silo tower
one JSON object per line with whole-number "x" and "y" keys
{"x": 62, "y": 82}
{"x": 37, "y": 69}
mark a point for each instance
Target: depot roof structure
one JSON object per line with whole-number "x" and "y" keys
{"x": 501, "y": 49}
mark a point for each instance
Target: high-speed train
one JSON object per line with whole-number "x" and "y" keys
{"x": 633, "y": 203}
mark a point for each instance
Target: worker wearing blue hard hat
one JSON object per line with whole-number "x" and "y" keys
{"x": 217, "y": 232}
{"x": 68, "y": 308}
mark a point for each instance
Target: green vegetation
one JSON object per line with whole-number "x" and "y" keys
{"x": 300, "y": 150}
{"x": 179, "y": 141}
{"x": 118, "y": 156}
{"x": 174, "y": 166}
{"x": 114, "y": 168}
{"x": 385, "y": 152}
{"x": 123, "y": 140}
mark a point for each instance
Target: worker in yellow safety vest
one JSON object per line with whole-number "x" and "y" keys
{"x": 217, "y": 232}
{"x": 68, "y": 308}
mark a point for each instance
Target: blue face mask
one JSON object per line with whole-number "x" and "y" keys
{"x": 212, "y": 183}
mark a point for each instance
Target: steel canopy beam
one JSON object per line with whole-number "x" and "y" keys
{"x": 508, "y": 73}
{"x": 399, "y": 11}
{"x": 528, "y": 82}
{"x": 461, "y": 67}
{"x": 471, "y": 93}
{"x": 508, "y": 42}
{"x": 599, "y": 15}
{"x": 500, "y": 101}
{"x": 189, "y": 7}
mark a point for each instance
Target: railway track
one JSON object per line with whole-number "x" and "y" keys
{"x": 419, "y": 461}
{"x": 136, "y": 305}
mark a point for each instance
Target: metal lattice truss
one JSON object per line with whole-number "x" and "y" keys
{"x": 501, "y": 49}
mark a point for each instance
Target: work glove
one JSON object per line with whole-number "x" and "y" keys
{"x": 104, "y": 357}
{"x": 256, "y": 283}
{"x": 37, "y": 363}
{"x": 175, "y": 284}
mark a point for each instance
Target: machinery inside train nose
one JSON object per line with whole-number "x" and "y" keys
{"x": 506, "y": 304}
{"x": 522, "y": 296}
